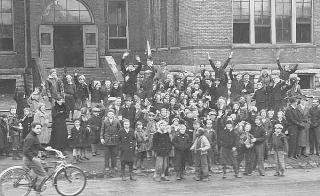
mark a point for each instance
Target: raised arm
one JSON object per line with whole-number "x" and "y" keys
{"x": 123, "y": 69}
{"x": 294, "y": 69}
{"x": 279, "y": 65}
{"x": 227, "y": 62}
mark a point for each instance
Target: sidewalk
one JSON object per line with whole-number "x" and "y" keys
{"x": 94, "y": 167}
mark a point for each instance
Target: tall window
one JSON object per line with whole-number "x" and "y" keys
{"x": 6, "y": 25}
{"x": 241, "y": 21}
{"x": 176, "y": 22}
{"x": 117, "y": 20}
{"x": 304, "y": 15}
{"x": 163, "y": 23}
{"x": 262, "y": 18}
{"x": 283, "y": 20}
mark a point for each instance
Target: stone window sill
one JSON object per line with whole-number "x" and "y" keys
{"x": 273, "y": 46}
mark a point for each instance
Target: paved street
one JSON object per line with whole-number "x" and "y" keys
{"x": 297, "y": 182}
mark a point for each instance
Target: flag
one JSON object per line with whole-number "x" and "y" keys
{"x": 148, "y": 49}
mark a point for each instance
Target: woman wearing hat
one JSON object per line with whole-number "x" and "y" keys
{"x": 59, "y": 133}
{"x": 41, "y": 117}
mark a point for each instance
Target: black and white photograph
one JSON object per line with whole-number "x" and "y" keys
{"x": 159, "y": 97}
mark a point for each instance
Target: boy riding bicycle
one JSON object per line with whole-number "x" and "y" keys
{"x": 31, "y": 148}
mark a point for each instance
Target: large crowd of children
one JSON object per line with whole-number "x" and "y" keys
{"x": 180, "y": 119}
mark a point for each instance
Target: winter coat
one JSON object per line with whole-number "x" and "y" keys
{"x": 77, "y": 137}
{"x": 142, "y": 140}
{"x": 129, "y": 113}
{"x": 259, "y": 133}
{"x": 261, "y": 98}
{"x": 219, "y": 72}
{"x": 54, "y": 88}
{"x": 279, "y": 142}
{"x": 110, "y": 132}
{"x": 228, "y": 139}
{"x": 161, "y": 143}
{"x": 127, "y": 144}
{"x": 181, "y": 142}
{"x": 94, "y": 123}
{"x": 303, "y": 138}
{"x": 314, "y": 115}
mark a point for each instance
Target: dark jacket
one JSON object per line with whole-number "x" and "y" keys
{"x": 279, "y": 142}
{"x": 236, "y": 86}
{"x": 293, "y": 117}
{"x": 26, "y": 124}
{"x": 161, "y": 144}
{"x": 219, "y": 73}
{"x": 261, "y": 98}
{"x": 77, "y": 137}
{"x": 259, "y": 133}
{"x": 129, "y": 113}
{"x": 31, "y": 146}
{"x": 228, "y": 139}
{"x": 127, "y": 144}
{"x": 54, "y": 88}
{"x": 130, "y": 85}
{"x": 181, "y": 142}
{"x": 249, "y": 87}
{"x": 284, "y": 75}
{"x": 94, "y": 123}
{"x": 110, "y": 132}
{"x": 314, "y": 114}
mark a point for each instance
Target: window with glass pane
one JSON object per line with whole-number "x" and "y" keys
{"x": 304, "y": 15}
{"x": 90, "y": 39}
{"x": 283, "y": 20}
{"x": 262, "y": 19}
{"x": 65, "y": 11}
{"x": 6, "y": 25}
{"x": 117, "y": 20}
{"x": 163, "y": 23}
{"x": 241, "y": 21}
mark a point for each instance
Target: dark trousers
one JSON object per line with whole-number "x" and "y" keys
{"x": 201, "y": 165}
{"x": 247, "y": 155}
{"x": 293, "y": 142}
{"x": 313, "y": 140}
{"x": 180, "y": 159}
{"x": 110, "y": 153}
{"x": 258, "y": 151}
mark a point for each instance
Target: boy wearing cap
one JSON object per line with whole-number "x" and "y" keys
{"x": 109, "y": 137}
{"x": 280, "y": 146}
{"x": 200, "y": 148}
{"x": 181, "y": 143}
{"x": 229, "y": 142}
{"x": 161, "y": 147}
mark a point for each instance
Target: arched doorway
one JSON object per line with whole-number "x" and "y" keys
{"x": 68, "y": 35}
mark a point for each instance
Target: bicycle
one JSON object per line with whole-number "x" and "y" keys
{"x": 17, "y": 180}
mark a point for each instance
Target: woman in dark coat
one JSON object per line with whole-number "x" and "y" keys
{"x": 69, "y": 90}
{"x": 130, "y": 75}
{"x": 127, "y": 144}
{"x": 59, "y": 132}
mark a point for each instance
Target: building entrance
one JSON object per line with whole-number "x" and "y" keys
{"x": 68, "y": 46}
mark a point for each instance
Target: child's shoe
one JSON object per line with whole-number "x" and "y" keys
{"x": 196, "y": 178}
{"x": 277, "y": 174}
{"x": 164, "y": 178}
{"x": 224, "y": 176}
{"x": 237, "y": 176}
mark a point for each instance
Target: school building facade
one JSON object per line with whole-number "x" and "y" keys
{"x": 89, "y": 36}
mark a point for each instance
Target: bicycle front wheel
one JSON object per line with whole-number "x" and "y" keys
{"x": 15, "y": 181}
{"x": 70, "y": 181}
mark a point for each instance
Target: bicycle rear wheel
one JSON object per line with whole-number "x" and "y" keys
{"x": 70, "y": 181}
{"x": 15, "y": 181}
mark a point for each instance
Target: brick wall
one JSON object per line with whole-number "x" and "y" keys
{"x": 206, "y": 26}
{"x": 16, "y": 58}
